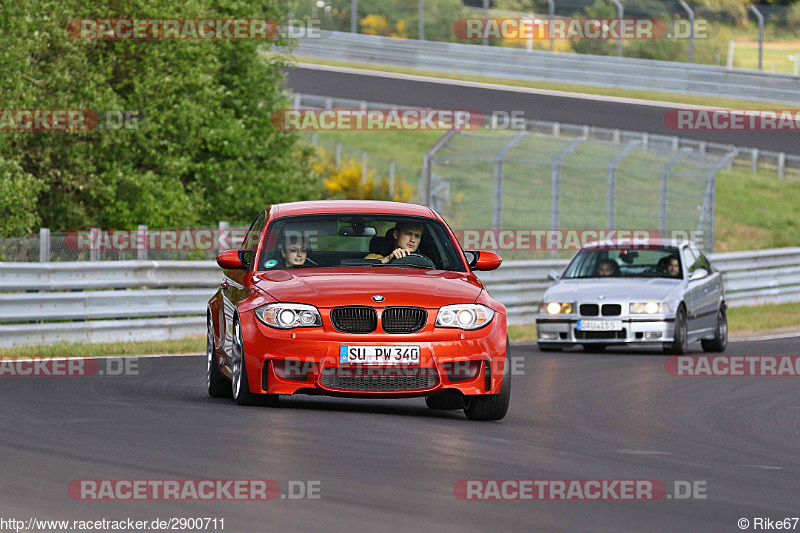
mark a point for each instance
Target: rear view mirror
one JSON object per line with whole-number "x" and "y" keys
{"x": 233, "y": 259}
{"x": 487, "y": 261}
{"x": 700, "y": 273}
{"x": 357, "y": 231}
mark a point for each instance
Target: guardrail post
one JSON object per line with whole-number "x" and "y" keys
{"x": 555, "y": 184}
{"x": 782, "y": 164}
{"x": 611, "y": 199}
{"x": 296, "y": 99}
{"x": 663, "y": 188}
{"x": 556, "y": 129}
{"x": 44, "y": 245}
{"x": 754, "y": 155}
{"x": 314, "y": 139}
{"x": 222, "y": 235}
{"x": 141, "y": 243}
{"x": 338, "y": 157}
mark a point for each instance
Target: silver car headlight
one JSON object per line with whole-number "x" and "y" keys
{"x": 556, "y": 308}
{"x": 288, "y": 316}
{"x": 648, "y": 308}
{"x": 464, "y": 316}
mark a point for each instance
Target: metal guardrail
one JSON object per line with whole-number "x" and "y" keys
{"x": 628, "y": 73}
{"x": 151, "y": 300}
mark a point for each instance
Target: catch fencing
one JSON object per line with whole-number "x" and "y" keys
{"x": 113, "y": 301}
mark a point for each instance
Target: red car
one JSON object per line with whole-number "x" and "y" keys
{"x": 363, "y": 299}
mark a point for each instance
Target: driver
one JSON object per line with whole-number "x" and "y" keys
{"x": 673, "y": 266}
{"x": 407, "y": 236}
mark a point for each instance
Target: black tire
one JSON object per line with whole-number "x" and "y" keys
{"x": 240, "y": 388}
{"x": 218, "y": 386}
{"x": 491, "y": 406}
{"x": 679, "y": 344}
{"x": 449, "y": 400}
{"x": 594, "y": 348}
{"x": 720, "y": 341}
{"x": 544, "y": 347}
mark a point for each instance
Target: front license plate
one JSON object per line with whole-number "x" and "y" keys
{"x": 379, "y": 355}
{"x": 599, "y": 325}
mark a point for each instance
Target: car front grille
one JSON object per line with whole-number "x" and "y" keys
{"x": 607, "y": 335}
{"x": 404, "y": 319}
{"x": 379, "y": 379}
{"x": 595, "y": 309}
{"x": 354, "y": 319}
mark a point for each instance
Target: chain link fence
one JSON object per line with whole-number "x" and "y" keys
{"x": 522, "y": 192}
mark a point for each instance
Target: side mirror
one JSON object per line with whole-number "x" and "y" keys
{"x": 231, "y": 259}
{"x": 700, "y": 273}
{"x": 486, "y": 261}
{"x": 554, "y": 275}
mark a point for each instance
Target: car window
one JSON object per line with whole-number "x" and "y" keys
{"x": 347, "y": 240}
{"x": 702, "y": 262}
{"x": 692, "y": 260}
{"x": 251, "y": 238}
{"x": 646, "y": 262}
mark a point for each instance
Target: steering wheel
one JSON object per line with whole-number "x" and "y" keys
{"x": 414, "y": 258}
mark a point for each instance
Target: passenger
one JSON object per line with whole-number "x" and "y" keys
{"x": 407, "y": 236}
{"x": 607, "y": 267}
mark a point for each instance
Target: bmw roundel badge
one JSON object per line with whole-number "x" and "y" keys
{"x": 378, "y": 298}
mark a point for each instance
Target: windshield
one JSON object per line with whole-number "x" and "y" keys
{"x": 648, "y": 263}
{"x": 347, "y": 240}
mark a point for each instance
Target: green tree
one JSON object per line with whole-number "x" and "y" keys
{"x": 207, "y": 149}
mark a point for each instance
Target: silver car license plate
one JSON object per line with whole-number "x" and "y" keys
{"x": 599, "y": 325}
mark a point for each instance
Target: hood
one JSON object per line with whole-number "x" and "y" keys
{"x": 613, "y": 289}
{"x": 356, "y": 286}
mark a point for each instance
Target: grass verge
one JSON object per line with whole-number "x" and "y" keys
{"x": 190, "y": 345}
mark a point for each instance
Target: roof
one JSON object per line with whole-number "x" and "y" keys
{"x": 353, "y": 206}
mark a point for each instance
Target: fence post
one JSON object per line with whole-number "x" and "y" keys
{"x": 663, "y": 188}
{"x": 354, "y": 16}
{"x": 314, "y": 139}
{"x": 611, "y": 199}
{"x": 391, "y": 179}
{"x": 760, "y": 18}
{"x": 222, "y": 234}
{"x": 421, "y": 35}
{"x": 94, "y": 251}
{"x": 141, "y": 243}
{"x": 363, "y": 167}
{"x": 425, "y": 184}
{"x": 555, "y": 185}
{"x": 44, "y": 245}
{"x": 690, "y": 12}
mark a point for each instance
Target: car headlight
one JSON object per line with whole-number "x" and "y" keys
{"x": 464, "y": 316}
{"x": 556, "y": 308}
{"x": 288, "y": 316}
{"x": 648, "y": 308}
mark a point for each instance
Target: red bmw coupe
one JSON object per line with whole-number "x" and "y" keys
{"x": 362, "y": 299}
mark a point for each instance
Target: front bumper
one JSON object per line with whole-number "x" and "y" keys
{"x": 306, "y": 360}
{"x": 635, "y": 330}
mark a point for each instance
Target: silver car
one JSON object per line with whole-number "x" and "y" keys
{"x": 662, "y": 292}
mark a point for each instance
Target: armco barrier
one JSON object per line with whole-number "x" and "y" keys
{"x": 44, "y": 303}
{"x": 514, "y": 63}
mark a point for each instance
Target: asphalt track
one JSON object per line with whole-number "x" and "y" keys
{"x": 390, "y": 465}
{"x": 569, "y": 108}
